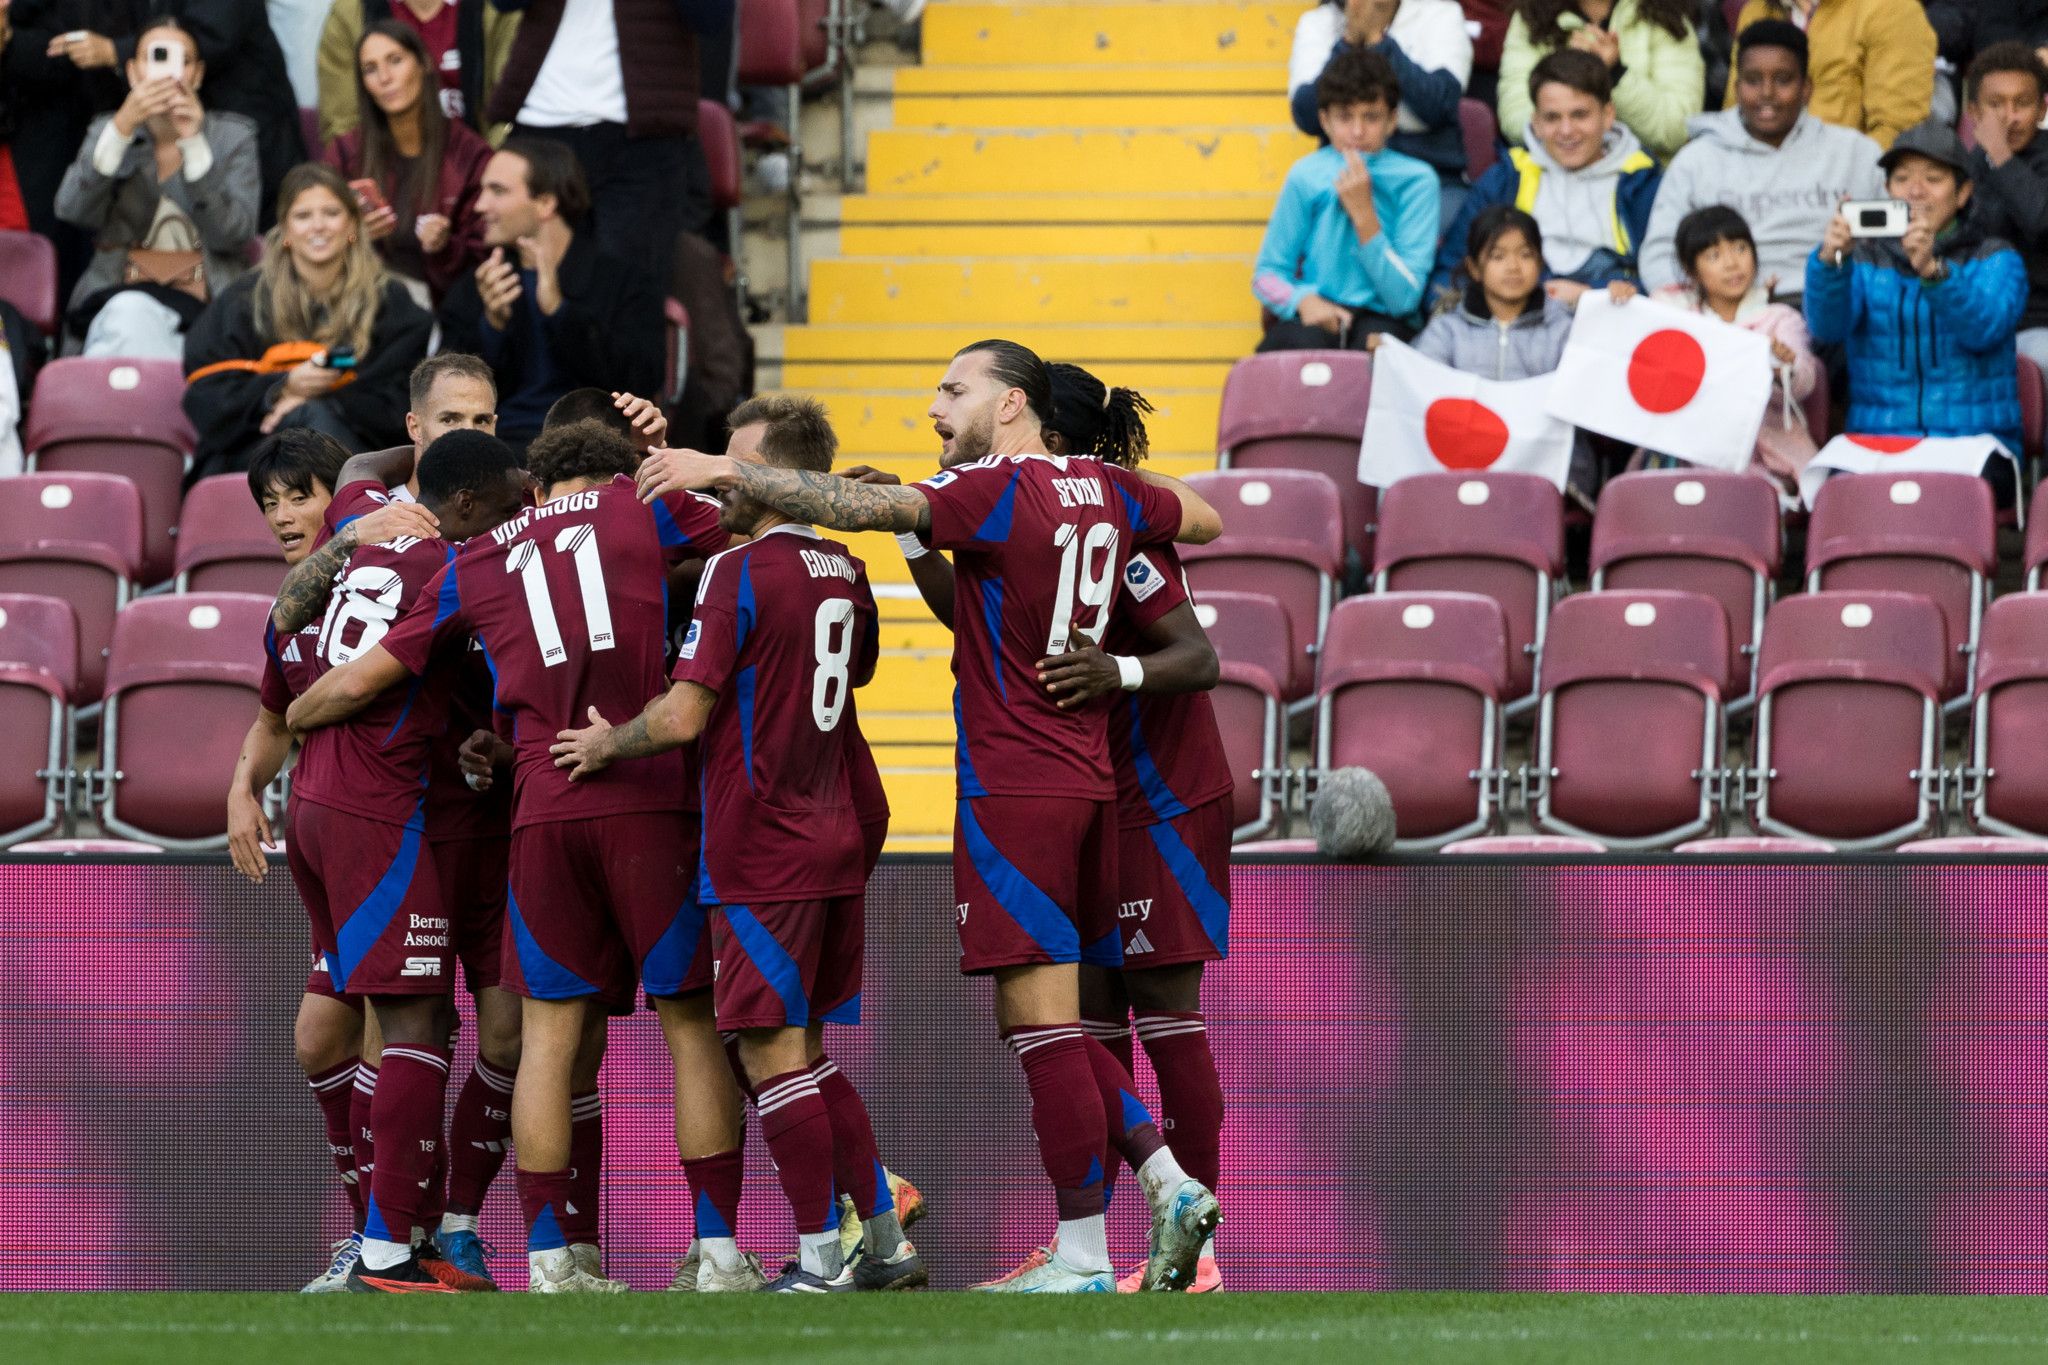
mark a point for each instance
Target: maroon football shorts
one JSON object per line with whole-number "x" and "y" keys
{"x": 319, "y": 981}
{"x": 472, "y": 874}
{"x": 788, "y": 964}
{"x": 1175, "y": 888}
{"x": 1034, "y": 881}
{"x": 594, "y": 903}
{"x": 373, "y": 902}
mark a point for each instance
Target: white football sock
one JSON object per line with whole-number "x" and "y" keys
{"x": 1160, "y": 1176}
{"x": 458, "y": 1222}
{"x": 723, "y": 1252}
{"x": 1083, "y": 1244}
{"x": 379, "y": 1254}
{"x": 819, "y": 1253}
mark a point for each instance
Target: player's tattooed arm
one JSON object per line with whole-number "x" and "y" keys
{"x": 1199, "y": 522}
{"x": 820, "y": 499}
{"x": 345, "y": 690}
{"x": 303, "y": 594}
{"x": 931, "y": 571}
{"x": 670, "y": 721}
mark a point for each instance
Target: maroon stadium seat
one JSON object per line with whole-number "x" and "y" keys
{"x": 1695, "y": 530}
{"x": 1481, "y": 133}
{"x": 2036, "y": 553}
{"x": 1302, "y": 410}
{"x": 721, "y": 139}
{"x": 1750, "y": 843}
{"x": 1411, "y": 686}
{"x": 1525, "y": 844}
{"x": 1818, "y": 406}
{"x": 1629, "y": 738}
{"x": 2005, "y": 786}
{"x": 224, "y": 544}
{"x": 1283, "y": 535}
{"x": 1500, "y": 535}
{"x": 1255, "y": 649}
{"x": 28, "y": 278}
{"x": 117, "y": 417}
{"x": 184, "y": 674}
{"x": 38, "y": 674}
{"x": 1972, "y": 844}
{"x": 1932, "y": 534}
{"x": 2033, "y": 411}
{"x": 78, "y": 537}
{"x": 1848, "y": 723}
{"x": 770, "y": 41}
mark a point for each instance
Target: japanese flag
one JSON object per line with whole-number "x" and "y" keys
{"x": 1670, "y": 381}
{"x": 1853, "y": 454}
{"x": 1425, "y": 418}
{"x": 10, "y": 413}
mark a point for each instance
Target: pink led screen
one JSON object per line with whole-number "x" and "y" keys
{"x": 1500, "y": 1075}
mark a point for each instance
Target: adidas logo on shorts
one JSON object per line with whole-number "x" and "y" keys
{"x": 1138, "y": 944}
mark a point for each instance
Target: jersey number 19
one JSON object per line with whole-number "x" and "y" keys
{"x": 1088, "y": 569}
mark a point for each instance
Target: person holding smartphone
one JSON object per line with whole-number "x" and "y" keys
{"x": 318, "y": 336}
{"x": 168, "y": 189}
{"x": 414, "y": 170}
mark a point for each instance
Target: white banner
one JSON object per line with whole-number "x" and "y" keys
{"x": 1426, "y": 418}
{"x": 1857, "y": 454}
{"x": 10, "y": 413}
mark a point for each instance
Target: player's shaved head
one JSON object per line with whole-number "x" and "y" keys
{"x": 587, "y": 405}
{"x": 795, "y": 431}
{"x": 472, "y": 482}
{"x": 588, "y": 449}
{"x": 996, "y": 395}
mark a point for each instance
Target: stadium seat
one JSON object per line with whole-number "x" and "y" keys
{"x": 28, "y": 279}
{"x": 2005, "y": 785}
{"x": 1932, "y": 534}
{"x": 2033, "y": 412}
{"x": 1254, "y": 651}
{"x": 1411, "y": 686}
{"x": 770, "y": 43}
{"x": 1524, "y": 845}
{"x": 1283, "y": 535}
{"x": 77, "y": 537}
{"x": 1695, "y": 530}
{"x": 720, "y": 138}
{"x": 1848, "y": 725}
{"x": 2036, "y": 552}
{"x": 38, "y": 675}
{"x": 1629, "y": 738}
{"x": 1973, "y": 844}
{"x": 1286, "y": 848}
{"x": 1303, "y": 410}
{"x": 117, "y": 417}
{"x": 87, "y": 848}
{"x": 1481, "y": 133}
{"x": 183, "y": 675}
{"x": 1818, "y": 406}
{"x": 1737, "y": 845}
{"x": 1500, "y": 535}
{"x": 224, "y": 545}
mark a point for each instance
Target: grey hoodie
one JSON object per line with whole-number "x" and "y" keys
{"x": 1576, "y": 208}
{"x": 1467, "y": 338}
{"x": 1786, "y": 193}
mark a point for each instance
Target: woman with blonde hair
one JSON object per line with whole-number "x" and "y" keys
{"x": 317, "y": 336}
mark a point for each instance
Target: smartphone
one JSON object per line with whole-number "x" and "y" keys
{"x": 337, "y": 358}
{"x": 368, "y": 195}
{"x": 1877, "y": 217}
{"x": 164, "y": 59}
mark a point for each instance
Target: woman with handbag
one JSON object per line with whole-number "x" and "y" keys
{"x": 317, "y": 336}
{"x": 170, "y": 191}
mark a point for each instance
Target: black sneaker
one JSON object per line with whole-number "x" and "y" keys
{"x": 409, "y": 1276}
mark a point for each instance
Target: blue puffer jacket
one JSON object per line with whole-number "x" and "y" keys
{"x": 1925, "y": 359}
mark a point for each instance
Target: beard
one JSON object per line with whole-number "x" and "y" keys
{"x": 975, "y": 440}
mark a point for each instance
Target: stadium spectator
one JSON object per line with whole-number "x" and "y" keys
{"x": 2009, "y": 171}
{"x": 550, "y": 308}
{"x": 1928, "y": 319}
{"x": 1350, "y": 241}
{"x": 1583, "y": 177}
{"x": 1718, "y": 256}
{"x": 424, "y": 168}
{"x": 617, "y": 81}
{"x": 169, "y": 191}
{"x": 245, "y": 74}
{"x": 1768, "y": 159}
{"x": 320, "y": 294}
{"x": 1964, "y": 28}
{"x": 1426, "y": 44}
{"x": 467, "y": 42}
{"x": 1648, "y": 46}
{"x": 1873, "y": 60}
{"x": 1491, "y": 19}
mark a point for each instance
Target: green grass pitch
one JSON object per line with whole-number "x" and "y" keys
{"x": 959, "y": 1329}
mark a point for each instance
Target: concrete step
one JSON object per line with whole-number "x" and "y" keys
{"x": 1098, "y": 161}
{"x": 1256, "y": 33}
{"x": 994, "y": 294}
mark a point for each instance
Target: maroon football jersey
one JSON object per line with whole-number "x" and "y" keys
{"x": 1040, "y": 542}
{"x": 1167, "y": 750}
{"x": 375, "y": 763}
{"x": 870, "y": 799}
{"x": 566, "y": 601}
{"x": 454, "y": 809}
{"x": 287, "y": 666}
{"x": 785, "y": 630}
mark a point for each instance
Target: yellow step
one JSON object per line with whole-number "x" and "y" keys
{"x": 919, "y": 843}
{"x": 924, "y": 728}
{"x": 1106, "y": 345}
{"x": 954, "y": 161}
{"x": 1177, "y": 109}
{"x": 1183, "y": 421}
{"x": 1243, "y": 33}
{"x": 993, "y": 294}
{"x": 1150, "y": 239}
{"x": 916, "y": 680}
{"x": 1142, "y": 375}
{"x": 1252, "y": 207}
{"x": 920, "y": 801}
{"x": 1087, "y": 81}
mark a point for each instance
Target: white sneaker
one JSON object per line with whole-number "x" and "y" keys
{"x": 589, "y": 1258}
{"x": 684, "y": 1281}
{"x": 556, "y": 1272}
{"x": 745, "y": 1278}
{"x": 334, "y": 1279}
{"x": 1182, "y": 1222}
{"x": 1052, "y": 1276}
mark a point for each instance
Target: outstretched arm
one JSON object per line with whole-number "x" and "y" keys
{"x": 1199, "y": 522}
{"x": 930, "y": 570}
{"x": 388, "y": 467}
{"x": 346, "y": 690}
{"x": 670, "y": 721}
{"x": 303, "y": 594}
{"x": 819, "y": 499}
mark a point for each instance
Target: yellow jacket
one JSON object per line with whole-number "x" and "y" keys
{"x": 1872, "y": 62}
{"x": 337, "y": 64}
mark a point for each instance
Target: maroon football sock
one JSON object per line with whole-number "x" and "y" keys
{"x": 1066, "y": 1114}
{"x": 361, "y": 1097}
{"x": 334, "y": 1090}
{"x": 1131, "y": 1129}
{"x": 856, "y": 1165}
{"x": 412, "y": 1087}
{"x": 543, "y": 1196}
{"x": 580, "y": 1216}
{"x": 478, "y": 1136}
{"x": 1114, "y": 1035}
{"x": 799, "y": 1134}
{"x": 1177, "y": 1045}
{"x": 715, "y": 1183}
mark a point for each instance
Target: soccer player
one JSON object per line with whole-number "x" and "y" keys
{"x": 565, "y": 599}
{"x": 784, "y": 631}
{"x": 1040, "y": 542}
{"x": 292, "y": 476}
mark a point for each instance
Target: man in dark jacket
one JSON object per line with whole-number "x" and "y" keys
{"x": 2006, "y": 86}
{"x": 550, "y": 310}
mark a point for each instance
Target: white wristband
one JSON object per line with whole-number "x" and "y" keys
{"x": 912, "y": 547}
{"x": 1131, "y": 670}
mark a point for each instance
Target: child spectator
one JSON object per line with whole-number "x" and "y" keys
{"x": 1584, "y": 178}
{"x": 1927, "y": 319}
{"x": 1719, "y": 258}
{"x": 1352, "y": 236}
{"x": 1648, "y": 47}
{"x": 1873, "y": 60}
{"x": 2009, "y": 171}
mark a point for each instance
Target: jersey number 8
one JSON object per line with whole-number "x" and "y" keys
{"x": 368, "y": 597}
{"x": 832, "y": 641}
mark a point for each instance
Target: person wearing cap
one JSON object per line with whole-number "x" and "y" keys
{"x": 1928, "y": 319}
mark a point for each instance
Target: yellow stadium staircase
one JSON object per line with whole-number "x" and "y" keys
{"x": 1089, "y": 179}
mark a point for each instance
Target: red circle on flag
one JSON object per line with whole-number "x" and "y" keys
{"x": 1463, "y": 433}
{"x": 1885, "y": 445}
{"x": 1665, "y": 372}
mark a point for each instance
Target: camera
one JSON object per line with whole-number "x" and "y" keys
{"x": 164, "y": 59}
{"x": 1877, "y": 217}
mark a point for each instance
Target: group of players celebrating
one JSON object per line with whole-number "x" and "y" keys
{"x": 513, "y": 729}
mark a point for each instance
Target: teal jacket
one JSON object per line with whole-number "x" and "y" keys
{"x": 1311, "y": 245}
